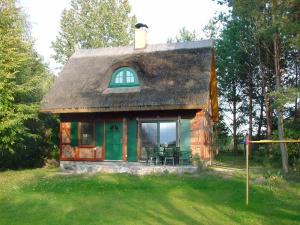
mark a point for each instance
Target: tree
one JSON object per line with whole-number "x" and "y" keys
{"x": 232, "y": 71}
{"x": 275, "y": 34}
{"x": 24, "y": 79}
{"x": 184, "y": 35}
{"x": 93, "y": 24}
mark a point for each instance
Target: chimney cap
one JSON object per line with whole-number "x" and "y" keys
{"x": 140, "y": 25}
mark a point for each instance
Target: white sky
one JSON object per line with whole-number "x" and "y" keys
{"x": 163, "y": 17}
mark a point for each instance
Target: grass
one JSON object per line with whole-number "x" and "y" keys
{"x": 44, "y": 196}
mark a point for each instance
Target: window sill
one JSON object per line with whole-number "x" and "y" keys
{"x": 118, "y": 90}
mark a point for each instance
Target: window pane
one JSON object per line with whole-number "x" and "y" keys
{"x": 167, "y": 134}
{"x": 86, "y": 134}
{"x": 148, "y": 138}
{"x": 149, "y": 134}
{"x": 119, "y": 78}
{"x": 129, "y": 77}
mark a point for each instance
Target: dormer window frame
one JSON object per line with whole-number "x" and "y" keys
{"x": 124, "y": 77}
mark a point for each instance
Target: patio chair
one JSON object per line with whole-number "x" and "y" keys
{"x": 177, "y": 155}
{"x": 169, "y": 155}
{"x": 185, "y": 158}
{"x": 143, "y": 156}
{"x": 151, "y": 155}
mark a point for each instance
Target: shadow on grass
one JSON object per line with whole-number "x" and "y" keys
{"x": 127, "y": 199}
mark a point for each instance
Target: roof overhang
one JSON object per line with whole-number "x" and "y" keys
{"x": 123, "y": 109}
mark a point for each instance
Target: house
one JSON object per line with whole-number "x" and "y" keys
{"x": 116, "y": 102}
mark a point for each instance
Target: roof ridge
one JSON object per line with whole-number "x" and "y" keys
{"x": 129, "y": 49}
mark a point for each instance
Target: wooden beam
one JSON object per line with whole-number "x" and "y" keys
{"x": 124, "y": 109}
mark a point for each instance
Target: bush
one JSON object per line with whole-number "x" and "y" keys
{"x": 273, "y": 180}
{"x": 196, "y": 160}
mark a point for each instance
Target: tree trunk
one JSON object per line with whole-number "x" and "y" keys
{"x": 234, "y": 124}
{"x": 297, "y": 112}
{"x": 284, "y": 155}
{"x": 250, "y": 110}
{"x": 261, "y": 110}
{"x": 263, "y": 84}
{"x": 267, "y": 100}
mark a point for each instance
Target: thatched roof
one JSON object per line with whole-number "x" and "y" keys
{"x": 171, "y": 76}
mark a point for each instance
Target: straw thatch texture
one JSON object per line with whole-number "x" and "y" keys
{"x": 171, "y": 76}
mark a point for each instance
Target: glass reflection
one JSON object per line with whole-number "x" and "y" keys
{"x": 149, "y": 134}
{"x": 167, "y": 134}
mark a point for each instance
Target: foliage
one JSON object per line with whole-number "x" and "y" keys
{"x": 284, "y": 96}
{"x": 251, "y": 86}
{"x": 196, "y": 160}
{"x": 25, "y": 136}
{"x": 44, "y": 197}
{"x": 274, "y": 180}
{"x": 93, "y": 24}
{"x": 184, "y": 35}
{"x": 233, "y": 74}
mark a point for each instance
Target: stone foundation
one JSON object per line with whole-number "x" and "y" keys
{"x": 135, "y": 168}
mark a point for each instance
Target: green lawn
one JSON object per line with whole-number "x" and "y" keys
{"x": 44, "y": 196}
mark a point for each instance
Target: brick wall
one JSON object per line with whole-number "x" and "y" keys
{"x": 201, "y": 136}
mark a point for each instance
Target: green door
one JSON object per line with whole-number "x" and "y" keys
{"x": 113, "y": 141}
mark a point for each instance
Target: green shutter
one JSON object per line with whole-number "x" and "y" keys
{"x": 74, "y": 134}
{"x": 185, "y": 134}
{"x": 131, "y": 140}
{"x": 99, "y": 133}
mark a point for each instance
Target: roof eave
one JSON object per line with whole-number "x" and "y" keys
{"x": 122, "y": 109}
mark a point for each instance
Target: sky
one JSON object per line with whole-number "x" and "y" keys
{"x": 163, "y": 17}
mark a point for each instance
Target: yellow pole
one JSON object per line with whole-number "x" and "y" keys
{"x": 247, "y": 169}
{"x": 248, "y": 143}
{"x": 273, "y": 141}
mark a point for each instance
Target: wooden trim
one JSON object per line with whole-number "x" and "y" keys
{"x": 60, "y": 141}
{"x": 138, "y": 150}
{"x": 112, "y": 119}
{"x": 178, "y": 131}
{"x": 104, "y": 140}
{"x": 124, "y": 140}
{"x": 213, "y": 95}
{"x": 81, "y": 159}
{"x": 76, "y": 153}
{"x": 159, "y": 119}
{"x": 86, "y": 146}
{"x": 123, "y": 109}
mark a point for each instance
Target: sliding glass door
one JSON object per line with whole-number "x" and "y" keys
{"x": 155, "y": 134}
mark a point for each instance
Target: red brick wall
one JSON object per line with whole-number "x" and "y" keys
{"x": 201, "y": 136}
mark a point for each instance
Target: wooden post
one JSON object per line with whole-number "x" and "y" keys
{"x": 247, "y": 169}
{"x": 138, "y": 144}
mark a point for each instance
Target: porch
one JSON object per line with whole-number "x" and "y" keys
{"x": 136, "y": 168}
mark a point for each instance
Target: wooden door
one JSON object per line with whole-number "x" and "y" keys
{"x": 113, "y": 141}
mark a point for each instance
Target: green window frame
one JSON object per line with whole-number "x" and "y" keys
{"x": 124, "y": 77}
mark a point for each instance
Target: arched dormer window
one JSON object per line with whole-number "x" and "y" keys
{"x": 124, "y": 77}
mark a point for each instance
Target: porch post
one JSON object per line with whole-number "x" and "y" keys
{"x": 124, "y": 140}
